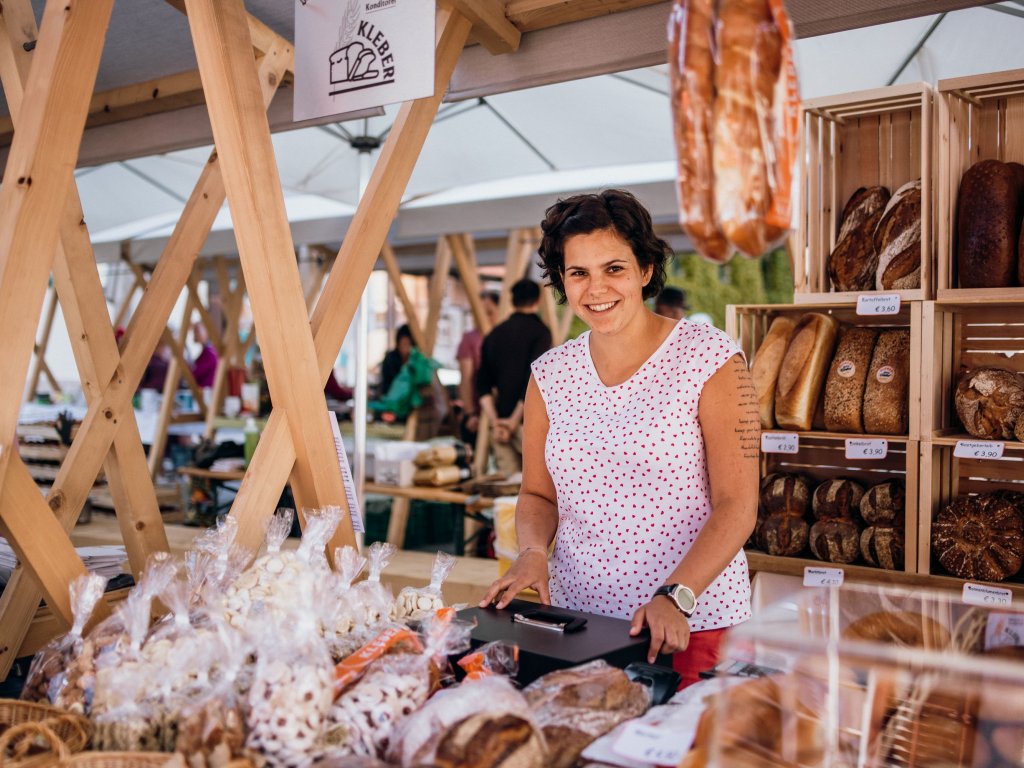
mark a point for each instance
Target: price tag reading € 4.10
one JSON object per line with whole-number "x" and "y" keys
{"x": 979, "y": 594}
{"x": 866, "y": 449}
{"x": 979, "y": 449}
{"x": 780, "y": 442}
{"x": 823, "y": 577}
{"x": 878, "y": 304}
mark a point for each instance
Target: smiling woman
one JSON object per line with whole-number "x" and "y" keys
{"x": 640, "y": 447}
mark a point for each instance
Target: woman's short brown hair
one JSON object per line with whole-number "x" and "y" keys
{"x": 613, "y": 209}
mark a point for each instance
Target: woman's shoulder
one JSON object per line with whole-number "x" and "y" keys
{"x": 698, "y": 335}
{"x": 558, "y": 357}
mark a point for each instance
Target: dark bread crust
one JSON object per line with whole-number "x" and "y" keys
{"x": 990, "y": 207}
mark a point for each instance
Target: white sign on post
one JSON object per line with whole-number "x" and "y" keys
{"x": 359, "y": 54}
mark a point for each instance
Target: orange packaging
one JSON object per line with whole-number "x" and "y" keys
{"x": 391, "y": 641}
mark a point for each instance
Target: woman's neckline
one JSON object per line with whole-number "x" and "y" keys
{"x": 653, "y": 356}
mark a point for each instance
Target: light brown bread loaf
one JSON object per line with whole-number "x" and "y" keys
{"x": 766, "y": 366}
{"x": 886, "y": 405}
{"x": 854, "y": 260}
{"x": 844, "y": 387}
{"x": 990, "y": 402}
{"x": 898, "y": 240}
{"x": 989, "y": 211}
{"x": 803, "y": 370}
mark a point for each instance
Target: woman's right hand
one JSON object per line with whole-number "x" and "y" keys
{"x": 530, "y": 570}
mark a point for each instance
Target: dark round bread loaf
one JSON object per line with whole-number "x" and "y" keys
{"x": 838, "y": 497}
{"x": 854, "y": 261}
{"x": 491, "y": 741}
{"x": 755, "y": 535}
{"x": 979, "y": 537}
{"x": 990, "y": 402}
{"x": 784, "y": 535}
{"x": 882, "y": 546}
{"x": 785, "y": 493}
{"x": 884, "y": 504}
{"x": 989, "y": 211}
{"x": 836, "y": 540}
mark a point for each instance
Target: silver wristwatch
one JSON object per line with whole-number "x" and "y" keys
{"x": 682, "y": 596}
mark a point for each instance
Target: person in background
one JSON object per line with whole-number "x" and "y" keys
{"x": 394, "y": 359}
{"x": 468, "y": 355}
{"x": 505, "y": 358}
{"x": 155, "y": 375}
{"x": 671, "y": 303}
{"x": 204, "y": 369}
{"x": 641, "y": 446}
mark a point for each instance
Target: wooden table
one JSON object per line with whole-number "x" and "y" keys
{"x": 472, "y": 505}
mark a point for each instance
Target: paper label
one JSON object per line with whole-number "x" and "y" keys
{"x": 878, "y": 304}
{"x": 846, "y": 369}
{"x": 885, "y": 374}
{"x": 823, "y": 577}
{"x": 346, "y": 477}
{"x": 1004, "y": 630}
{"x": 651, "y": 744}
{"x": 866, "y": 449}
{"x": 780, "y": 442}
{"x": 980, "y": 594}
{"x": 979, "y": 449}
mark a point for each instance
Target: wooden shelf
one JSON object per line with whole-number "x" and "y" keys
{"x": 794, "y": 566}
{"x": 967, "y": 297}
{"x": 849, "y": 298}
{"x": 840, "y": 435}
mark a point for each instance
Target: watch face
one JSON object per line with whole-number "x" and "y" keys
{"x": 685, "y": 599}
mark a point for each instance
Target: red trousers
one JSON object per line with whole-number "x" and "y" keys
{"x": 700, "y": 655}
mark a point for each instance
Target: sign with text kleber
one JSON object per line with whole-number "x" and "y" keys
{"x": 359, "y": 54}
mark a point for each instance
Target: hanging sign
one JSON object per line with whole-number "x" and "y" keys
{"x": 360, "y": 54}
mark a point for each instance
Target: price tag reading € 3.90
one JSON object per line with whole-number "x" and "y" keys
{"x": 878, "y": 304}
{"x": 780, "y": 442}
{"x": 866, "y": 449}
{"x": 979, "y": 449}
{"x": 980, "y": 594}
{"x": 823, "y": 577}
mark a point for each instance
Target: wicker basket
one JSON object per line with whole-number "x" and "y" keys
{"x": 123, "y": 760}
{"x": 26, "y": 724}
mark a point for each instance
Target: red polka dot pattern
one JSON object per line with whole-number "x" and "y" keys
{"x": 631, "y": 477}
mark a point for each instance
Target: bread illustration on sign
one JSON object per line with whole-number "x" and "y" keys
{"x": 898, "y": 240}
{"x": 980, "y": 537}
{"x": 847, "y": 380}
{"x": 990, "y": 208}
{"x": 886, "y": 393}
{"x": 766, "y": 366}
{"x": 803, "y": 370}
{"x": 990, "y": 403}
{"x": 853, "y": 263}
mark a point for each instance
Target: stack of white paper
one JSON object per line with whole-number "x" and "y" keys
{"x": 106, "y": 560}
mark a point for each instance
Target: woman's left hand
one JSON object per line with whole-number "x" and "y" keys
{"x": 670, "y": 630}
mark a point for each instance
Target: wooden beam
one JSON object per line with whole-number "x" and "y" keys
{"x": 387, "y": 255}
{"x": 490, "y": 26}
{"x": 223, "y": 49}
{"x": 175, "y": 369}
{"x": 271, "y": 465}
{"x": 216, "y": 337}
{"x": 438, "y": 289}
{"x": 531, "y": 15}
{"x": 39, "y": 350}
{"x": 465, "y": 261}
{"x": 263, "y": 37}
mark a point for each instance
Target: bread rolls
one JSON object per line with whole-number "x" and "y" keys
{"x": 838, "y": 497}
{"x": 847, "y": 378}
{"x": 886, "y": 394}
{"x": 803, "y": 370}
{"x": 990, "y": 402}
{"x": 766, "y": 366}
{"x": 898, "y": 240}
{"x": 989, "y": 212}
{"x": 853, "y": 263}
{"x": 979, "y": 538}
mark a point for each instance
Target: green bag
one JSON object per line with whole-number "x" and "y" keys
{"x": 405, "y": 393}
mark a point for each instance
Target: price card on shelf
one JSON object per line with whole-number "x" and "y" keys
{"x": 981, "y": 594}
{"x": 979, "y": 449}
{"x": 823, "y": 577}
{"x": 1004, "y": 630}
{"x": 652, "y": 744}
{"x": 878, "y": 304}
{"x": 866, "y": 449}
{"x": 780, "y": 442}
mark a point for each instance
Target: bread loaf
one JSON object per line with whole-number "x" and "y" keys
{"x": 979, "y": 537}
{"x": 847, "y": 377}
{"x": 491, "y": 741}
{"x": 902, "y": 628}
{"x": 749, "y": 63}
{"x": 989, "y": 212}
{"x": 882, "y": 546}
{"x": 691, "y": 70}
{"x": 886, "y": 394}
{"x": 854, "y": 261}
{"x": 785, "y": 493}
{"x": 838, "y": 497}
{"x": 898, "y": 240}
{"x": 803, "y": 370}
{"x": 784, "y": 535}
{"x": 990, "y": 402}
{"x": 767, "y": 363}
{"x": 835, "y": 541}
{"x": 884, "y": 504}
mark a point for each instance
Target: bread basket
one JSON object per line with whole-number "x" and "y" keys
{"x": 26, "y": 724}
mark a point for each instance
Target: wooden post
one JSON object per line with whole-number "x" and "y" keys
{"x": 175, "y": 369}
{"x": 438, "y": 288}
{"x": 395, "y": 275}
{"x": 465, "y": 261}
{"x": 333, "y": 314}
{"x": 517, "y": 261}
{"x": 39, "y": 365}
{"x": 224, "y": 52}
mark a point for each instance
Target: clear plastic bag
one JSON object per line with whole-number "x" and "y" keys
{"x": 48, "y": 673}
{"x": 415, "y": 603}
{"x": 373, "y": 602}
{"x": 341, "y": 618}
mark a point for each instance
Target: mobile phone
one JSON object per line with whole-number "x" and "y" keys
{"x": 549, "y": 620}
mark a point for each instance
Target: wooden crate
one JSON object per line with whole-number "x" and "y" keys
{"x": 822, "y": 458}
{"x": 943, "y": 478}
{"x": 979, "y": 118}
{"x": 749, "y": 323}
{"x": 959, "y": 336}
{"x": 877, "y": 137}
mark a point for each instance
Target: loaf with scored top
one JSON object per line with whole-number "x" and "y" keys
{"x": 853, "y": 263}
{"x": 898, "y": 240}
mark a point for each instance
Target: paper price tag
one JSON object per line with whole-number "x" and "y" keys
{"x": 866, "y": 449}
{"x": 878, "y": 304}
{"x": 979, "y": 594}
{"x": 649, "y": 744}
{"x": 1004, "y": 630}
{"x": 780, "y": 442}
{"x": 823, "y": 577}
{"x": 346, "y": 477}
{"x": 979, "y": 449}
